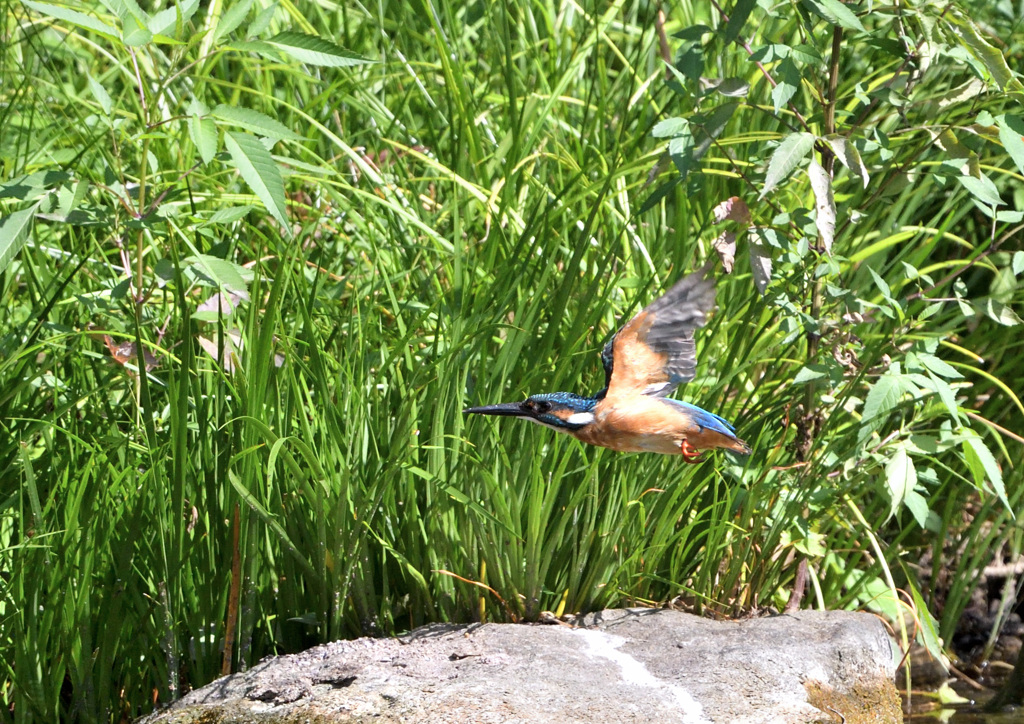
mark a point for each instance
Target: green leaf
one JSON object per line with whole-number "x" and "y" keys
{"x": 258, "y": 123}
{"x": 900, "y": 478}
{"x": 33, "y": 185}
{"x": 134, "y": 33}
{"x": 680, "y": 150}
{"x": 670, "y": 127}
{"x": 918, "y": 507}
{"x": 982, "y": 189}
{"x": 947, "y": 695}
{"x": 837, "y": 13}
{"x": 13, "y": 236}
{"x": 690, "y": 55}
{"x": 221, "y": 272}
{"x": 991, "y": 57}
{"x": 203, "y": 132}
{"x": 793, "y": 149}
{"x": 1011, "y": 135}
{"x": 1018, "y": 262}
{"x": 127, "y": 8}
{"x": 945, "y": 393}
{"x": 1001, "y": 313}
{"x": 982, "y": 464}
{"x": 883, "y": 397}
{"x": 315, "y": 50}
{"x": 938, "y": 366}
{"x": 927, "y": 631}
{"x": 231, "y": 19}
{"x": 260, "y": 172}
{"x": 229, "y": 215}
{"x": 881, "y": 284}
{"x": 809, "y": 373}
{"x": 101, "y": 95}
{"x": 737, "y": 19}
{"x": 166, "y": 21}
{"x": 262, "y": 21}
{"x": 74, "y": 17}
{"x": 788, "y": 81}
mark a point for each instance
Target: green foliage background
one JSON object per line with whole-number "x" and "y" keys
{"x": 408, "y": 207}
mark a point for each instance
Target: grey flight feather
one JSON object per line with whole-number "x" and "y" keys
{"x": 674, "y": 317}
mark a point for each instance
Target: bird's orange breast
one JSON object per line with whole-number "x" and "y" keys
{"x": 647, "y": 424}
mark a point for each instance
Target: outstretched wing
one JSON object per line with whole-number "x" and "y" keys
{"x": 654, "y": 352}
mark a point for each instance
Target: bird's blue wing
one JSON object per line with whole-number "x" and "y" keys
{"x": 655, "y": 352}
{"x": 707, "y": 420}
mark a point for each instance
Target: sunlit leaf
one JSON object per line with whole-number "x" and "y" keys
{"x": 13, "y": 236}
{"x": 983, "y": 466}
{"x": 787, "y": 78}
{"x": 982, "y": 189}
{"x": 670, "y": 127}
{"x": 793, "y": 149}
{"x": 881, "y": 284}
{"x": 259, "y": 123}
{"x": 203, "y": 132}
{"x": 165, "y": 22}
{"x": 101, "y": 95}
{"x": 260, "y": 172}
{"x": 883, "y": 397}
{"x": 231, "y": 19}
{"x": 927, "y": 631}
{"x": 135, "y": 34}
{"x": 315, "y": 50}
{"x": 809, "y": 373}
{"x": 900, "y": 478}
{"x": 917, "y": 504}
{"x": 993, "y": 60}
{"x": 837, "y": 13}
{"x": 945, "y": 393}
{"x": 1001, "y": 313}
{"x": 229, "y": 215}
{"x": 74, "y": 17}
{"x": 1011, "y": 135}
{"x": 262, "y": 21}
{"x": 221, "y": 273}
{"x": 938, "y": 366}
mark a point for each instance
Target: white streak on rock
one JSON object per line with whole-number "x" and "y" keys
{"x": 603, "y": 645}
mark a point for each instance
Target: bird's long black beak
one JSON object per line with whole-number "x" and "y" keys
{"x": 509, "y": 409}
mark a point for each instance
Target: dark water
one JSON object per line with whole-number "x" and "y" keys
{"x": 928, "y": 711}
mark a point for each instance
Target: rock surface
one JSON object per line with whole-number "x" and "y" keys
{"x": 637, "y": 665}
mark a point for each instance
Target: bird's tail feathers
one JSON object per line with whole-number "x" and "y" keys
{"x": 740, "y": 446}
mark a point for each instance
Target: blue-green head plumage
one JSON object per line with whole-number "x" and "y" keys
{"x": 559, "y": 410}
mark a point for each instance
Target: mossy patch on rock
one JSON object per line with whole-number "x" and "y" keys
{"x": 861, "y": 704}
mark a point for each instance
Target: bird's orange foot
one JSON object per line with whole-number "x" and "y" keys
{"x": 691, "y": 454}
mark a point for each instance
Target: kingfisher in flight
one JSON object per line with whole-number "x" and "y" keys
{"x": 644, "y": 361}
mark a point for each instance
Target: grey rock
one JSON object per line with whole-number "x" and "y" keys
{"x": 636, "y": 665}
